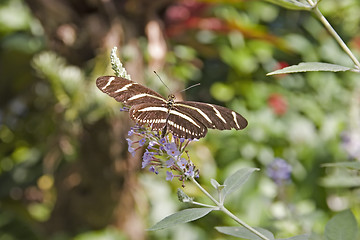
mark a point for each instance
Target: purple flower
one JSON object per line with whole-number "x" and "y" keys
{"x": 279, "y": 171}
{"x": 162, "y": 141}
{"x": 142, "y": 142}
{"x": 162, "y": 153}
{"x": 169, "y": 176}
{"x": 171, "y": 149}
{"x": 182, "y": 163}
{"x": 153, "y": 169}
{"x": 144, "y": 164}
{"x": 147, "y": 157}
{"x": 170, "y": 162}
{"x": 151, "y": 144}
{"x": 190, "y": 171}
{"x": 351, "y": 143}
{"x": 130, "y": 148}
{"x": 124, "y": 109}
{"x": 129, "y": 141}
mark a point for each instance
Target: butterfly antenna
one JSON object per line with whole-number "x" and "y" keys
{"x": 195, "y": 85}
{"x": 162, "y": 81}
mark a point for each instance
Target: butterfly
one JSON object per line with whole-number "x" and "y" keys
{"x": 184, "y": 119}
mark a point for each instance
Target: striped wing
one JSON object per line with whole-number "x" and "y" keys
{"x": 212, "y": 116}
{"x": 183, "y": 119}
{"x": 180, "y": 124}
{"x": 128, "y": 92}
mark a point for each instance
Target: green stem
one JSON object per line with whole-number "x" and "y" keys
{"x": 331, "y": 30}
{"x": 227, "y": 212}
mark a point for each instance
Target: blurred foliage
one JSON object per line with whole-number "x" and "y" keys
{"x": 228, "y": 46}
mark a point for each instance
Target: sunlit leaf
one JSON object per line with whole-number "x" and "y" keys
{"x": 340, "y": 181}
{"x": 235, "y": 181}
{"x": 183, "y": 216}
{"x": 352, "y": 165}
{"x": 245, "y": 233}
{"x": 299, "y": 237}
{"x": 291, "y": 4}
{"x": 103, "y": 234}
{"x": 310, "y": 67}
{"x": 342, "y": 226}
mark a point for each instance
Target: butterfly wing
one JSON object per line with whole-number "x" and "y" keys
{"x": 148, "y": 113}
{"x": 212, "y": 116}
{"x": 180, "y": 124}
{"x": 184, "y": 125}
{"x": 184, "y": 119}
{"x": 128, "y": 92}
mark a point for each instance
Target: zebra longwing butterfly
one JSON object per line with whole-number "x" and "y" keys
{"x": 183, "y": 119}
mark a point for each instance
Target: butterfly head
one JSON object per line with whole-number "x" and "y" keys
{"x": 171, "y": 97}
{"x": 170, "y": 100}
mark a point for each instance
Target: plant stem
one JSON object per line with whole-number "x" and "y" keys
{"x": 331, "y": 30}
{"x": 227, "y": 212}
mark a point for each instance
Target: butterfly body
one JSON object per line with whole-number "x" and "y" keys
{"x": 184, "y": 119}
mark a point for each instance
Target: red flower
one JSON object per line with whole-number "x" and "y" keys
{"x": 277, "y": 103}
{"x": 355, "y": 42}
{"x": 278, "y": 66}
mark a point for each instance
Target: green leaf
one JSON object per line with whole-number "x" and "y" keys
{"x": 310, "y": 67}
{"x": 183, "y": 216}
{"x": 344, "y": 181}
{"x": 214, "y": 183}
{"x": 342, "y": 226}
{"x": 245, "y": 233}
{"x": 299, "y": 237}
{"x": 291, "y": 4}
{"x": 235, "y": 181}
{"x": 352, "y": 165}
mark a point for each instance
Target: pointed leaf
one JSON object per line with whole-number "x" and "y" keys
{"x": 291, "y": 4}
{"x": 351, "y": 165}
{"x": 236, "y": 180}
{"x": 342, "y": 226}
{"x": 299, "y": 237}
{"x": 245, "y": 233}
{"x": 214, "y": 183}
{"x": 310, "y": 67}
{"x": 337, "y": 180}
{"x": 183, "y": 216}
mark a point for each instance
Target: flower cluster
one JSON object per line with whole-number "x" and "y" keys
{"x": 167, "y": 152}
{"x": 351, "y": 143}
{"x": 279, "y": 171}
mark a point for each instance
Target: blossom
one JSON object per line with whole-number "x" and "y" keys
{"x": 190, "y": 171}
{"x": 130, "y": 148}
{"x": 142, "y": 142}
{"x": 169, "y": 176}
{"x": 279, "y": 170}
{"x": 162, "y": 141}
{"x": 351, "y": 143}
{"x": 277, "y": 103}
{"x": 124, "y": 109}
{"x": 151, "y": 144}
{"x": 154, "y": 170}
{"x": 170, "y": 162}
{"x": 162, "y": 153}
{"x": 147, "y": 157}
{"x": 182, "y": 163}
{"x": 172, "y": 149}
